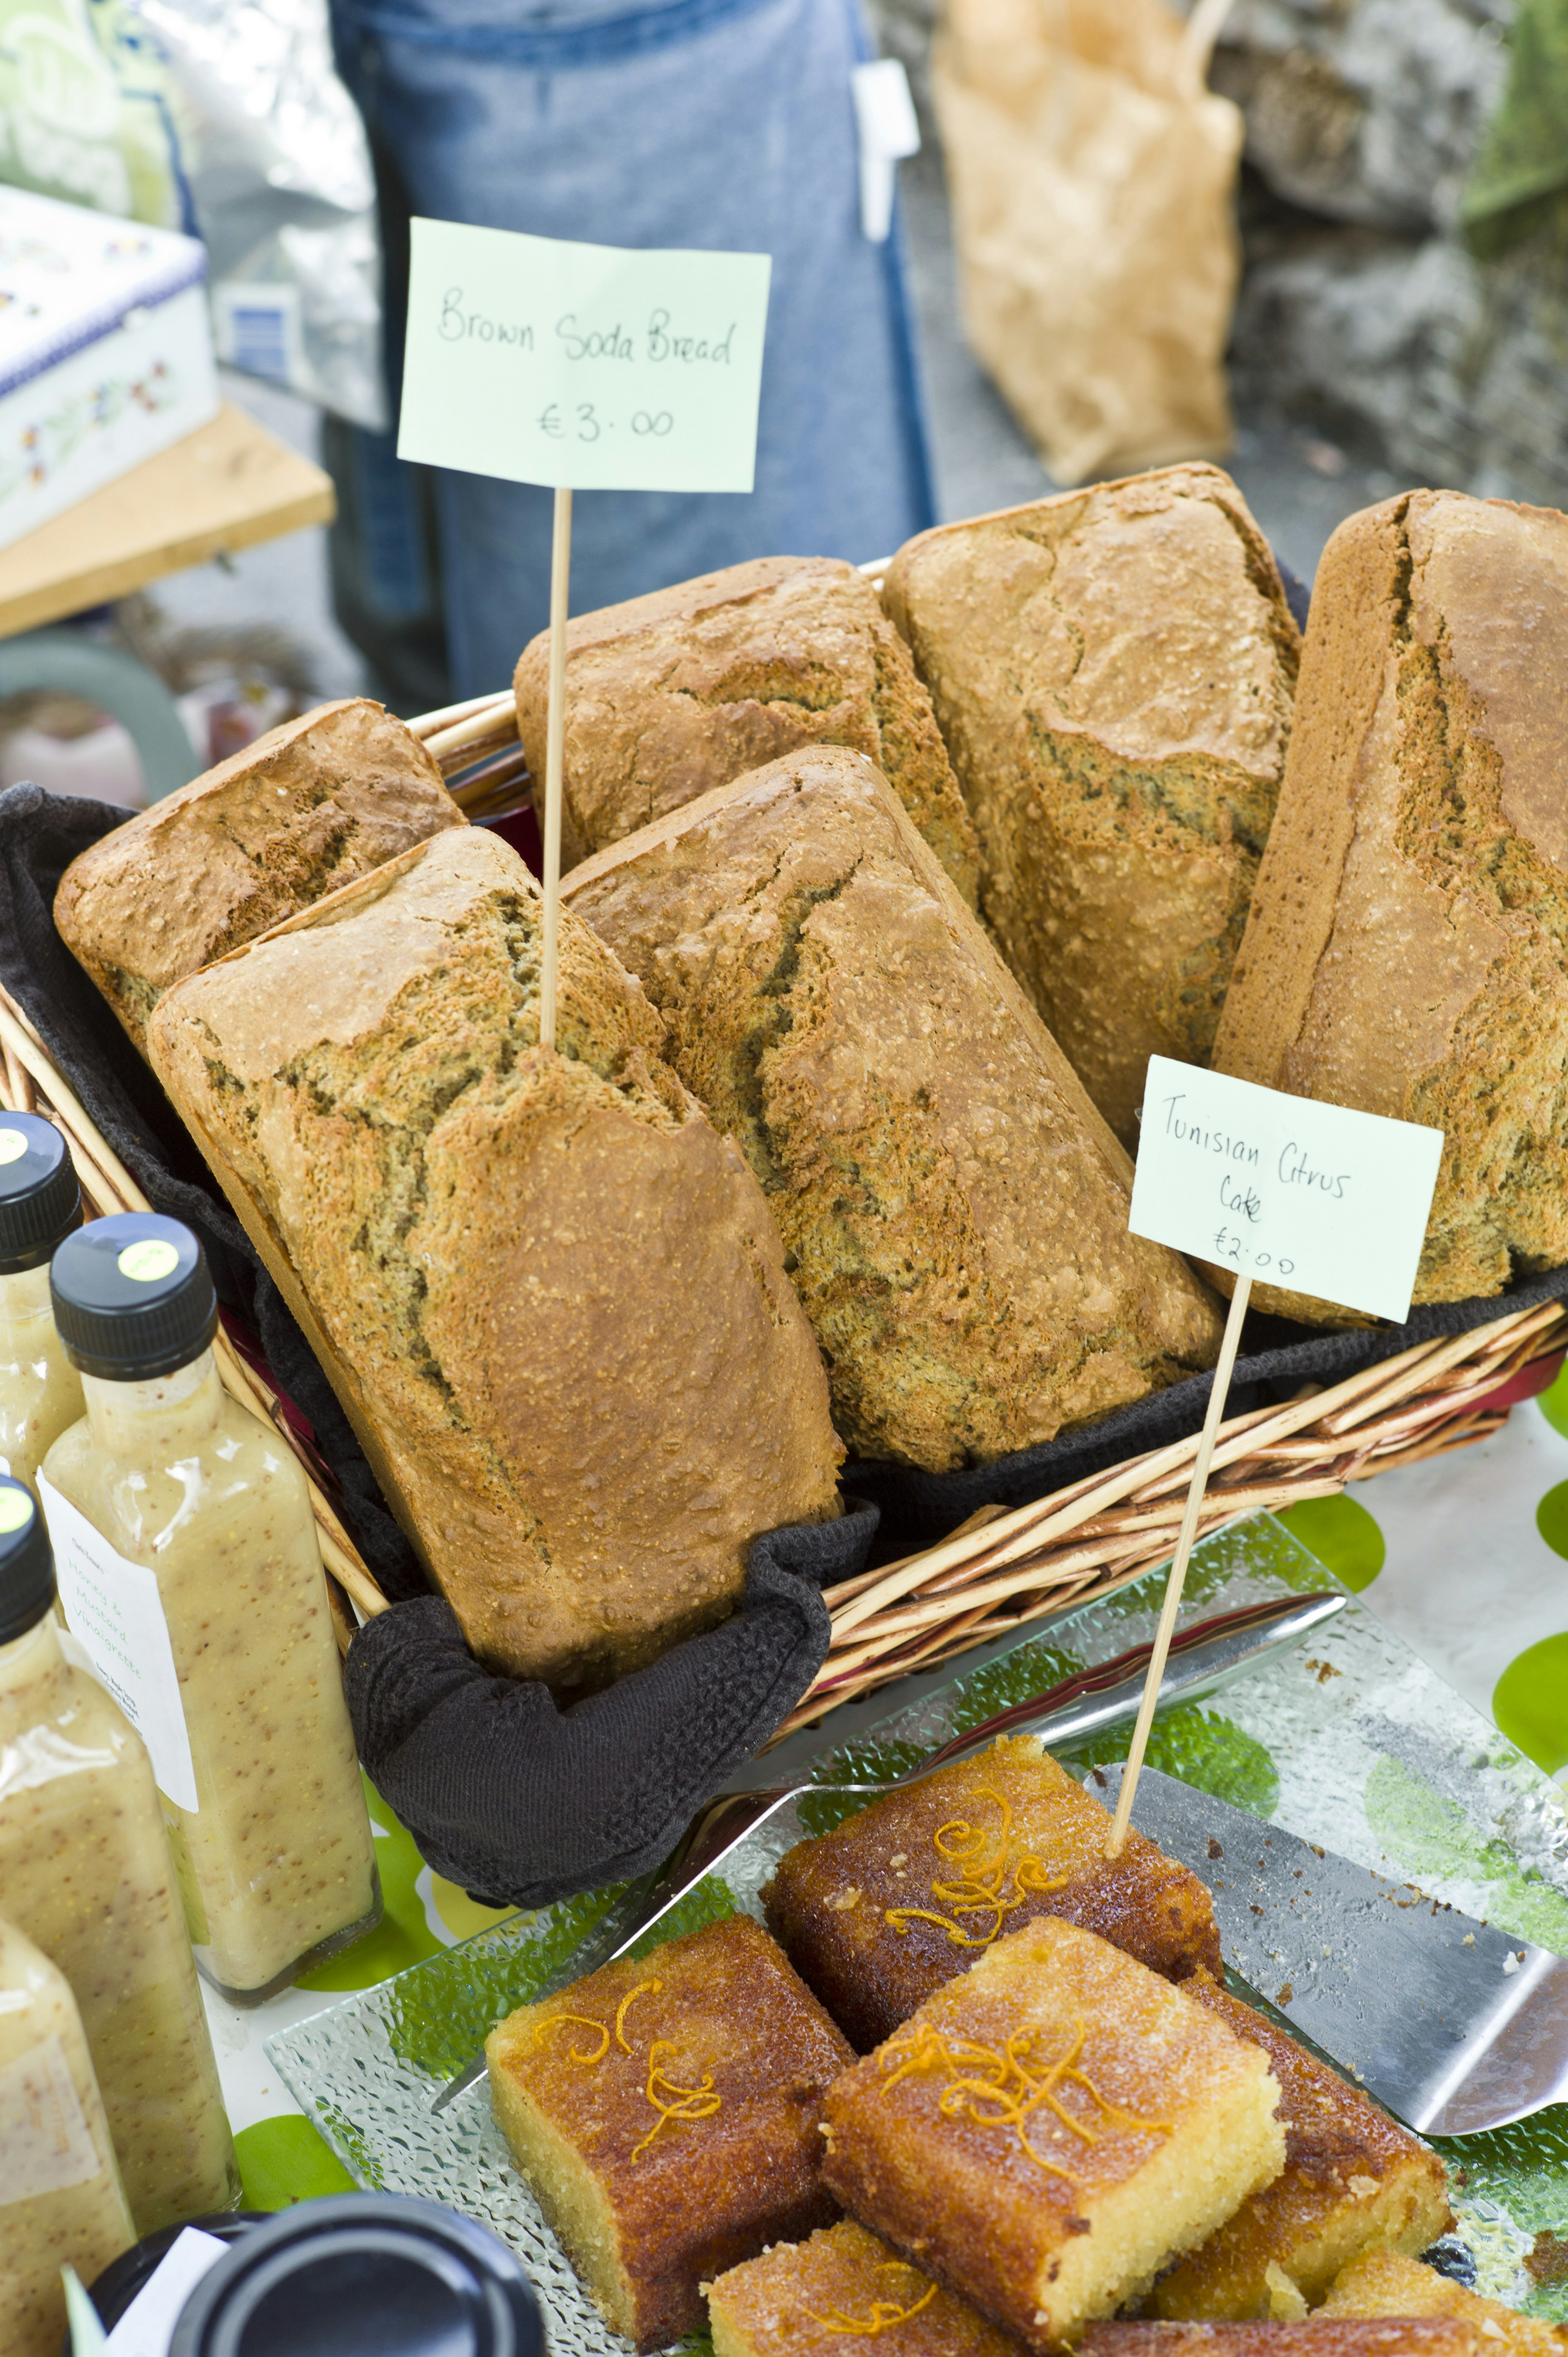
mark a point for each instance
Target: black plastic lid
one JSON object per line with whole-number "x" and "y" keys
{"x": 27, "y": 1562}
{"x": 361, "y": 2272}
{"x": 124, "y": 2278}
{"x": 40, "y": 1202}
{"x": 133, "y": 1297}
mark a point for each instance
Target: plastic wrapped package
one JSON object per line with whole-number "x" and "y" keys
{"x": 225, "y": 118}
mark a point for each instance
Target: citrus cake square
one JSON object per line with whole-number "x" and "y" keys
{"x": 1051, "y": 2128}
{"x": 823, "y": 2297}
{"x": 1403, "y": 2336}
{"x": 664, "y": 2113}
{"x": 877, "y": 1914}
{"x": 1388, "y": 2284}
{"x": 1353, "y": 2177}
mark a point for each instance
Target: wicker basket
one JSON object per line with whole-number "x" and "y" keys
{"x": 1001, "y": 1570}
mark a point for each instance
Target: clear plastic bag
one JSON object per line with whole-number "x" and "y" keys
{"x": 225, "y": 118}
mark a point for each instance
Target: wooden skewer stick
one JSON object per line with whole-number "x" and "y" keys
{"x": 555, "y": 762}
{"x": 1163, "y": 1634}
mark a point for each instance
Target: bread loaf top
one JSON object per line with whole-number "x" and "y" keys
{"x": 1407, "y": 952}
{"x": 1112, "y": 670}
{"x": 550, "y": 1297}
{"x": 305, "y": 810}
{"x": 954, "y": 1208}
{"x": 671, "y": 694}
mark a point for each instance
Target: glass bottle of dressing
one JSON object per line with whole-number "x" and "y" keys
{"x": 61, "y": 2200}
{"x": 40, "y": 1203}
{"x": 85, "y": 1872}
{"x": 188, "y": 1568}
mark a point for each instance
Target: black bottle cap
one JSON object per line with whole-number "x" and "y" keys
{"x": 27, "y": 1562}
{"x": 359, "y": 2271}
{"x": 133, "y": 1297}
{"x": 40, "y": 1202}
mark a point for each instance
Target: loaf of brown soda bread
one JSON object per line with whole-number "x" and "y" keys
{"x": 301, "y": 813}
{"x": 551, "y": 1298}
{"x": 954, "y": 1209}
{"x": 1113, "y": 672}
{"x": 672, "y": 694}
{"x": 1407, "y": 950}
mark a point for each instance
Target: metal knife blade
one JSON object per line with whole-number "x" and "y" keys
{"x": 1202, "y": 1659}
{"x": 1449, "y": 2022}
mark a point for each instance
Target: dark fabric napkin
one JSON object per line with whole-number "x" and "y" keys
{"x": 506, "y": 1792}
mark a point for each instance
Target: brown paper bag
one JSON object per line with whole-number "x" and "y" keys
{"x": 1091, "y": 174}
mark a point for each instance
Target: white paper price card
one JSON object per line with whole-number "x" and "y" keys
{"x": 587, "y": 367}
{"x": 1311, "y": 1197}
{"x": 113, "y": 1608}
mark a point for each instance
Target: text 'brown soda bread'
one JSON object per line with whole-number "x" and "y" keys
{"x": 1112, "y": 670}
{"x": 1050, "y": 2128}
{"x": 954, "y": 1209}
{"x": 1407, "y": 952}
{"x": 917, "y": 1886}
{"x": 828, "y": 2296}
{"x": 303, "y": 811}
{"x": 671, "y": 694}
{"x": 550, "y": 1296}
{"x": 664, "y": 2112}
{"x": 1353, "y": 2180}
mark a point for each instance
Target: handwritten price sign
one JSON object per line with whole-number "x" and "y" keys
{"x": 586, "y": 367}
{"x": 1311, "y": 1197}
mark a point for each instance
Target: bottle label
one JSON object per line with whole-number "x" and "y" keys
{"x": 46, "y": 2145}
{"x": 113, "y": 1607}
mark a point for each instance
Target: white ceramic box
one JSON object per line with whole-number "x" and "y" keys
{"x": 105, "y": 352}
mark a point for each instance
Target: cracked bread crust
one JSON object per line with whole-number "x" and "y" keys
{"x": 303, "y": 811}
{"x": 550, "y": 1296}
{"x": 954, "y": 1209}
{"x": 671, "y": 694}
{"x": 1113, "y": 672}
{"x": 1407, "y": 952}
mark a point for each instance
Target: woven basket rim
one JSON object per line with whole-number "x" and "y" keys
{"x": 1003, "y": 1569}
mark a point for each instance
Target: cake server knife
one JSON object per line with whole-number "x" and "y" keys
{"x": 1202, "y": 1659}
{"x": 1448, "y": 2021}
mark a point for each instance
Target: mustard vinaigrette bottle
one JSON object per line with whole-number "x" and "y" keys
{"x": 86, "y": 1874}
{"x": 40, "y": 1203}
{"x": 188, "y": 1568}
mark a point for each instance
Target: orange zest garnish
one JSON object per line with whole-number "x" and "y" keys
{"x": 884, "y": 2313}
{"x": 630, "y": 1998}
{"x": 580, "y": 2021}
{"x": 983, "y": 1887}
{"x": 669, "y": 2101}
{"x": 1007, "y": 2090}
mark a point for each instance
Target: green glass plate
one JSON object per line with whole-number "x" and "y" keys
{"x": 1351, "y": 1741}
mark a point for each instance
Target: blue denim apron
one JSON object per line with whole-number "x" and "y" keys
{"x": 724, "y": 124}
